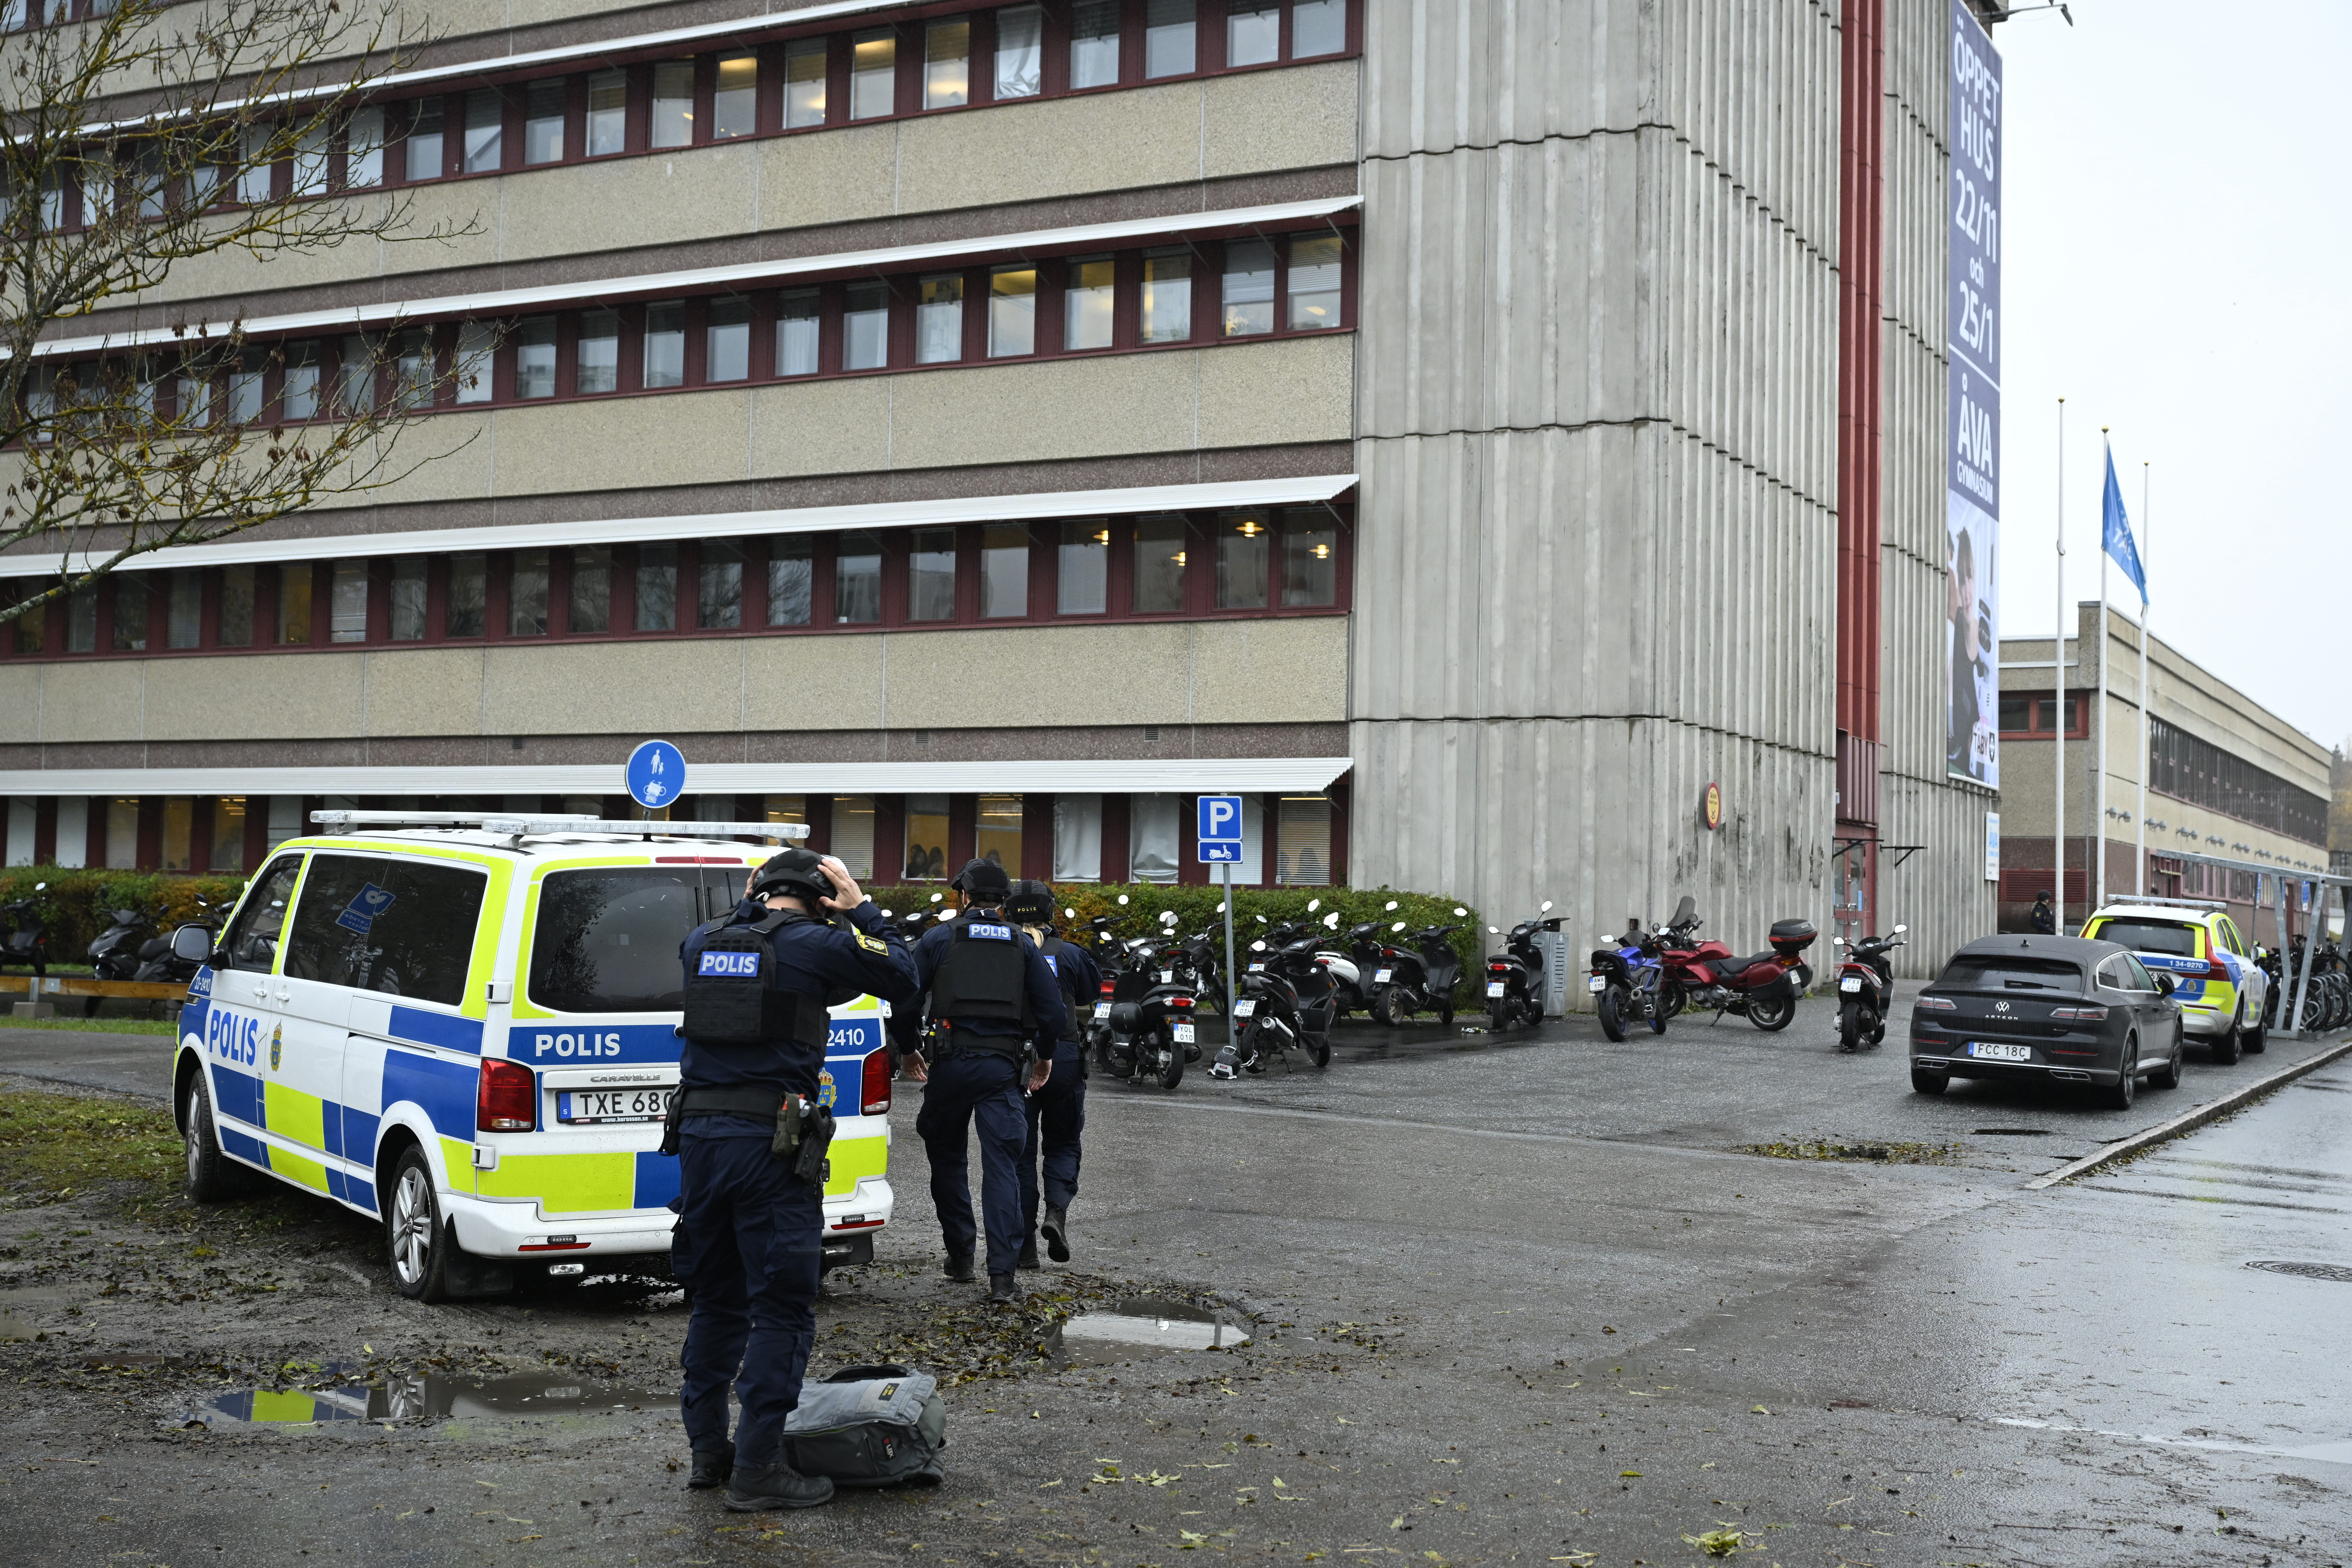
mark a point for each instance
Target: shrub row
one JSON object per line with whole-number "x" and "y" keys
{"x": 78, "y": 902}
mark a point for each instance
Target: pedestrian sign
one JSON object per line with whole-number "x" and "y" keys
{"x": 1221, "y": 828}
{"x": 657, "y": 774}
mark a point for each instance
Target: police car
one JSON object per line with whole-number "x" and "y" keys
{"x": 2221, "y": 989}
{"x": 466, "y": 1027}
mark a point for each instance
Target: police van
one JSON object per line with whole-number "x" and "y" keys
{"x": 466, "y": 1027}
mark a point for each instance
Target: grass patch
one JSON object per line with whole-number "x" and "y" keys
{"x": 54, "y": 1146}
{"x": 1863, "y": 1153}
{"x": 165, "y": 1028}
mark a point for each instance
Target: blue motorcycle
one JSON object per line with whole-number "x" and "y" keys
{"x": 1624, "y": 984}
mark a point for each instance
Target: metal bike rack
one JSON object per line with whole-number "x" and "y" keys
{"x": 2295, "y": 979}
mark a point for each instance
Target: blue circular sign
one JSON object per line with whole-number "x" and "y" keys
{"x": 657, "y": 774}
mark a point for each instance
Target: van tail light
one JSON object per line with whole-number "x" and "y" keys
{"x": 508, "y": 1100}
{"x": 2089, "y": 1014}
{"x": 874, "y": 1085}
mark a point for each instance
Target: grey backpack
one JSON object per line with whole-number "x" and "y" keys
{"x": 876, "y": 1425}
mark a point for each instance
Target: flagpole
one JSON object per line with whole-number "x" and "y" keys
{"x": 2098, "y": 891}
{"x": 2058, "y": 659}
{"x": 2147, "y": 533}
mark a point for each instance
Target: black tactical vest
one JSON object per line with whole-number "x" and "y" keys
{"x": 984, "y": 978}
{"x": 731, "y": 998}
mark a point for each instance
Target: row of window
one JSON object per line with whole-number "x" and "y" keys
{"x": 859, "y": 579}
{"x": 1255, "y": 287}
{"x": 2200, "y": 773}
{"x": 1287, "y": 839}
{"x": 999, "y": 55}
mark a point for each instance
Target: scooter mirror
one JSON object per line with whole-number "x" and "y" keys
{"x": 1221, "y": 906}
{"x": 1391, "y": 903}
{"x": 885, "y": 914}
{"x": 937, "y": 897}
{"x": 1399, "y": 926}
{"x": 1460, "y": 911}
{"x": 1069, "y": 914}
{"x": 1900, "y": 930}
{"x": 1494, "y": 930}
{"x": 1257, "y": 947}
{"x": 1332, "y": 919}
{"x": 1546, "y": 908}
{"x": 1168, "y": 917}
{"x": 42, "y": 887}
{"x": 1122, "y": 897}
{"x": 1837, "y": 942}
{"x": 1314, "y": 904}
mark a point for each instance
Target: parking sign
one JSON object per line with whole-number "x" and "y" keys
{"x": 1219, "y": 828}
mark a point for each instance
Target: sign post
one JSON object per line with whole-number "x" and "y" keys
{"x": 1221, "y": 844}
{"x": 655, "y": 774}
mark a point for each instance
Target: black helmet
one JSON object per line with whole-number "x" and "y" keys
{"x": 985, "y": 880}
{"x": 799, "y": 872}
{"x": 1030, "y": 903}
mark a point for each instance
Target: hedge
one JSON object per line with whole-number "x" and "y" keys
{"x": 78, "y": 903}
{"x": 1137, "y": 906}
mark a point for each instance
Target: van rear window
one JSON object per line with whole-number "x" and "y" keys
{"x": 2003, "y": 972}
{"x": 2151, "y": 936}
{"x": 395, "y": 926}
{"x": 606, "y": 940}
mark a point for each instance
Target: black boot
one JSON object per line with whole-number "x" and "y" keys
{"x": 1057, "y": 1232}
{"x": 760, "y": 1488}
{"x": 711, "y": 1468}
{"x": 959, "y": 1268}
{"x": 1002, "y": 1291}
{"x": 1029, "y": 1254}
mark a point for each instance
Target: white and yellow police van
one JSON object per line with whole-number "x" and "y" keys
{"x": 466, "y": 1027}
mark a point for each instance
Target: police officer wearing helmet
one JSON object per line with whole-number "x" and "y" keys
{"x": 750, "y": 1138}
{"x": 1058, "y": 1112}
{"x": 991, "y": 1000}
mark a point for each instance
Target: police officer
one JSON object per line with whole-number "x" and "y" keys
{"x": 1058, "y": 1112}
{"x": 749, "y": 1241}
{"x": 991, "y": 1000}
{"x": 2044, "y": 918}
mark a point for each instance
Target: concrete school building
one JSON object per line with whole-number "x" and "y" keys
{"x": 1470, "y": 431}
{"x": 2225, "y": 776}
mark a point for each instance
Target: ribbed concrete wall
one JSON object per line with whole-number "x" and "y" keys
{"x": 1940, "y": 892}
{"x": 1597, "y": 396}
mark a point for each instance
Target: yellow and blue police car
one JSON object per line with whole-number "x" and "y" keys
{"x": 2222, "y": 990}
{"x": 466, "y": 1027}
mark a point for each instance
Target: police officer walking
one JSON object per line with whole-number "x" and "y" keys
{"x": 750, "y": 1138}
{"x": 2044, "y": 918}
{"x": 991, "y": 999}
{"x": 1058, "y": 1112}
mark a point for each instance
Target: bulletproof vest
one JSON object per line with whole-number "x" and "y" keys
{"x": 1063, "y": 956}
{"x": 731, "y": 998}
{"x": 984, "y": 978}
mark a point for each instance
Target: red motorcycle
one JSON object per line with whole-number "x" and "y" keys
{"x": 1762, "y": 987}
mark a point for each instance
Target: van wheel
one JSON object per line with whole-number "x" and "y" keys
{"x": 417, "y": 1241}
{"x": 213, "y": 1176}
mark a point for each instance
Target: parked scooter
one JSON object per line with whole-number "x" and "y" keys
{"x": 1624, "y": 982}
{"x": 26, "y": 937}
{"x": 1515, "y": 981}
{"x": 113, "y": 953}
{"x": 1148, "y": 1031}
{"x": 158, "y": 961}
{"x": 1424, "y": 976}
{"x": 1865, "y": 989}
{"x": 1283, "y": 999}
{"x": 1763, "y": 986}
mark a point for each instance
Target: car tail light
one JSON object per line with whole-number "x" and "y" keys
{"x": 2090, "y": 1015}
{"x": 508, "y": 1100}
{"x": 1936, "y": 1003}
{"x": 874, "y": 1085}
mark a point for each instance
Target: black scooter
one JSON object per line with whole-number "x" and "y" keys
{"x": 114, "y": 953}
{"x": 27, "y": 937}
{"x": 1515, "y": 980}
{"x": 1865, "y": 989}
{"x": 1283, "y": 999}
{"x": 158, "y": 961}
{"x": 1406, "y": 982}
{"x": 1148, "y": 1033}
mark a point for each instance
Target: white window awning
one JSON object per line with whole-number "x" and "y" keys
{"x": 702, "y": 279}
{"x": 1035, "y": 506}
{"x": 1126, "y": 776}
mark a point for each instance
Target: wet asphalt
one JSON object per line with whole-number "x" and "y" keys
{"x": 1519, "y": 1297}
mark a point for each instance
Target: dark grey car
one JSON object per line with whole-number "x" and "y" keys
{"x": 2050, "y": 1009}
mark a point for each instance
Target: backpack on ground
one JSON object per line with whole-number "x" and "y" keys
{"x": 875, "y": 1426}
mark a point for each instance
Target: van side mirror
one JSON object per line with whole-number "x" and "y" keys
{"x": 192, "y": 944}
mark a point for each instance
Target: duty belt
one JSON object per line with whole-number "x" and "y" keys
{"x": 760, "y": 1104}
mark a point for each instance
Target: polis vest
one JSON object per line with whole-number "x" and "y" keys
{"x": 732, "y": 997}
{"x": 984, "y": 977}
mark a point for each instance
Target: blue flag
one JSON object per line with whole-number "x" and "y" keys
{"x": 2119, "y": 540}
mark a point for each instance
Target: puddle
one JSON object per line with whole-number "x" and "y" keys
{"x": 14, "y": 1328}
{"x": 423, "y": 1398}
{"x": 2336, "y": 1273}
{"x": 1143, "y": 1326}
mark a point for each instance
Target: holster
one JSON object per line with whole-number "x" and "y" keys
{"x": 803, "y": 1134}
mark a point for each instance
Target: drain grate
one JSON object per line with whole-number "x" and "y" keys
{"x": 2335, "y": 1271}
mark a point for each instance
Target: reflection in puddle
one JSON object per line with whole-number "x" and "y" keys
{"x": 399, "y": 1398}
{"x": 1145, "y": 1325}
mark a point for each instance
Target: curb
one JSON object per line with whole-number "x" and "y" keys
{"x": 2191, "y": 1119}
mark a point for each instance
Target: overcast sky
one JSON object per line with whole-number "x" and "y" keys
{"x": 2178, "y": 257}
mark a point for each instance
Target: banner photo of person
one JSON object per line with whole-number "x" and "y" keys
{"x": 1971, "y": 644}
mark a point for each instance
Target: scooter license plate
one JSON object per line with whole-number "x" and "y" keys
{"x": 1255, "y": 967}
{"x": 1245, "y": 1009}
{"x": 1102, "y": 1010}
{"x": 1184, "y": 1033}
{"x": 1496, "y": 988}
{"x": 1850, "y": 982}
{"x": 1381, "y": 977}
{"x": 1167, "y": 977}
{"x": 1596, "y": 984}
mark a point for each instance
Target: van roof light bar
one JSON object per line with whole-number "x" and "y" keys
{"x": 514, "y": 825}
{"x": 2169, "y": 904}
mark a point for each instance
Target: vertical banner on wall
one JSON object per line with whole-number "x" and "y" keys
{"x": 1972, "y": 422}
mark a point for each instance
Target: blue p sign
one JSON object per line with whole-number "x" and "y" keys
{"x": 1221, "y": 828}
